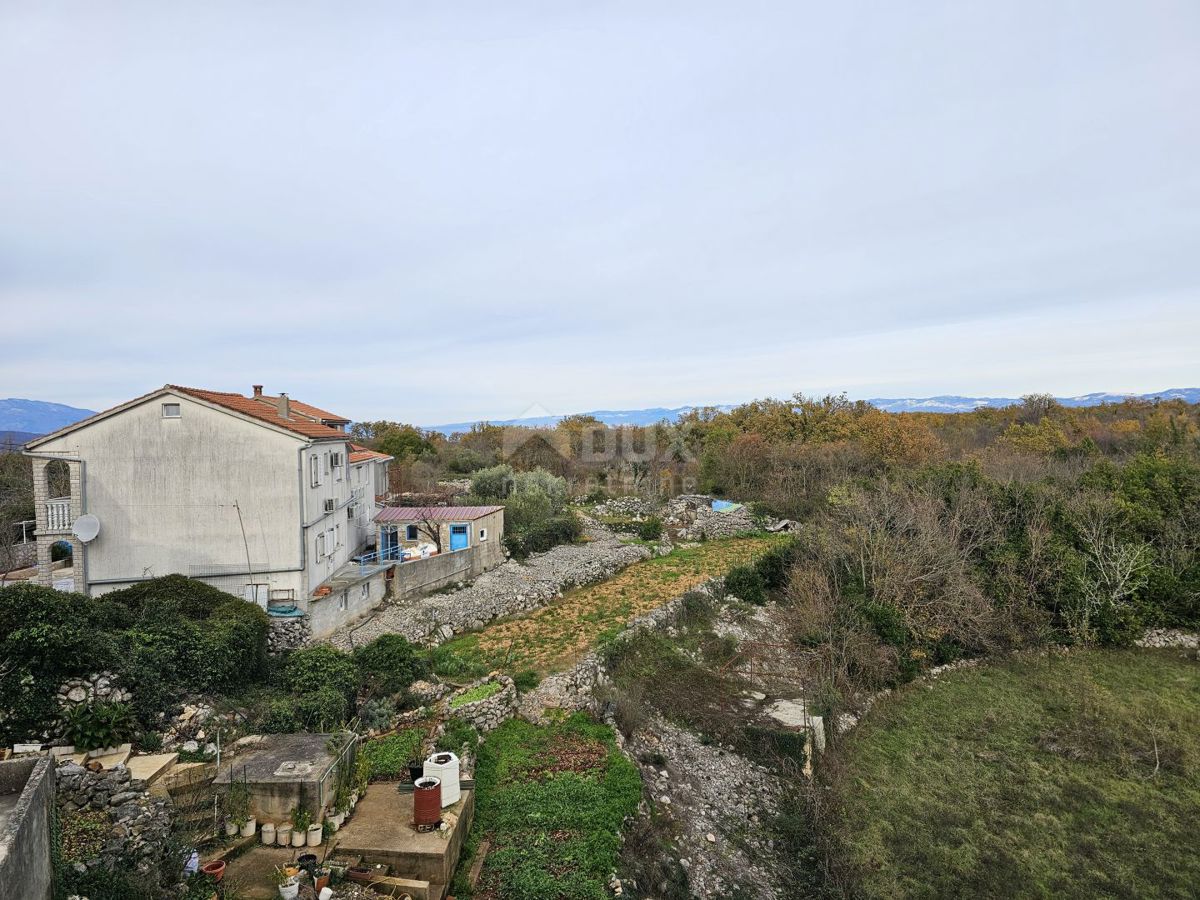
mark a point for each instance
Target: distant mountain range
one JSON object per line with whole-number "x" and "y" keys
{"x": 23, "y": 420}
{"x": 940, "y": 404}
{"x": 37, "y": 417}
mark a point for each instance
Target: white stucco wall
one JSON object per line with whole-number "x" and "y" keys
{"x": 165, "y": 489}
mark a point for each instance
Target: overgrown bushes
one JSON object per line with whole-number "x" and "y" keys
{"x": 535, "y": 514}
{"x": 161, "y": 638}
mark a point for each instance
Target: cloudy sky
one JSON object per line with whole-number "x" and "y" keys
{"x": 437, "y": 212}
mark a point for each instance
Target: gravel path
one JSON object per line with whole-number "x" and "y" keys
{"x": 504, "y": 591}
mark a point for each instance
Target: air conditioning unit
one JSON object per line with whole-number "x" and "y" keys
{"x": 330, "y": 505}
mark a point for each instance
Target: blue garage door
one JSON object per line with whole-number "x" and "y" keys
{"x": 459, "y": 536}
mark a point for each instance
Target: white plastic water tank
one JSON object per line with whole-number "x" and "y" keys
{"x": 445, "y": 766}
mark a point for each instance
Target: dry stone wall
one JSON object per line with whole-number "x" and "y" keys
{"x": 507, "y": 590}
{"x": 490, "y": 712}
{"x": 287, "y": 633}
{"x": 139, "y": 825}
{"x": 99, "y": 687}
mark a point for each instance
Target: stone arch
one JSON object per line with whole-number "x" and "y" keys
{"x": 58, "y": 479}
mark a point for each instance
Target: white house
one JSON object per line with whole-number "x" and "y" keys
{"x": 262, "y": 496}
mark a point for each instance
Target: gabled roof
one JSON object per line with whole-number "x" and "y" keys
{"x": 362, "y": 454}
{"x": 307, "y": 410}
{"x": 267, "y": 412}
{"x": 434, "y": 513}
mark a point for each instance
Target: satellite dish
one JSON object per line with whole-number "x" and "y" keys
{"x": 86, "y": 528}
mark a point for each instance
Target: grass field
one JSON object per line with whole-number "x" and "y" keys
{"x": 550, "y": 802}
{"x": 1072, "y": 775}
{"x": 555, "y": 636}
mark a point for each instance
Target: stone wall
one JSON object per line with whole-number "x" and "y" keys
{"x": 287, "y": 633}
{"x": 504, "y": 591}
{"x": 25, "y": 832}
{"x": 139, "y": 825}
{"x": 490, "y": 712}
{"x": 99, "y": 687}
{"x": 574, "y": 689}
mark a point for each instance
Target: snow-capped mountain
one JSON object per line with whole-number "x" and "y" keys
{"x": 940, "y": 404}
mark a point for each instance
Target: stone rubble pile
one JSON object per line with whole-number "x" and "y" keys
{"x": 490, "y": 712}
{"x": 288, "y": 633}
{"x": 691, "y": 518}
{"x": 99, "y": 687}
{"x": 508, "y": 589}
{"x": 718, "y": 803}
{"x": 140, "y": 825}
{"x": 195, "y": 729}
{"x": 626, "y": 507}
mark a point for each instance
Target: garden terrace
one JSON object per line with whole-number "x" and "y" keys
{"x": 554, "y": 637}
{"x": 551, "y": 805}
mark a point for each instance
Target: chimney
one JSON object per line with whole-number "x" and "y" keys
{"x": 257, "y": 391}
{"x": 283, "y": 406}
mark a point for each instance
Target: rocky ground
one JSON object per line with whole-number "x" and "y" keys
{"x": 506, "y": 590}
{"x": 716, "y": 803}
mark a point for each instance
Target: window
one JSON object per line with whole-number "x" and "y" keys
{"x": 483, "y": 534}
{"x": 314, "y": 468}
{"x": 171, "y": 411}
{"x": 326, "y": 457}
{"x": 411, "y": 533}
{"x": 336, "y": 461}
{"x": 320, "y": 546}
{"x": 337, "y": 536}
{"x": 342, "y": 601}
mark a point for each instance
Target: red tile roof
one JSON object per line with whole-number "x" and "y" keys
{"x": 306, "y": 410}
{"x": 362, "y": 454}
{"x": 266, "y": 412}
{"x": 434, "y": 513}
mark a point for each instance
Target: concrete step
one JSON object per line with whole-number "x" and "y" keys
{"x": 151, "y": 767}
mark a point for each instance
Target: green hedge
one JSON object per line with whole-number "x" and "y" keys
{"x": 164, "y": 637}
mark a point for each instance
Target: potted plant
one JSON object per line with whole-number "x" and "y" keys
{"x": 288, "y": 883}
{"x": 321, "y": 878}
{"x": 316, "y": 831}
{"x": 301, "y": 819}
{"x": 214, "y": 870}
{"x": 237, "y": 806}
{"x": 416, "y": 769}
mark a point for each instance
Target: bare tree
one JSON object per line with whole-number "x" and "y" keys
{"x": 1114, "y": 569}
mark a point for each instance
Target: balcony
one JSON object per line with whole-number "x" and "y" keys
{"x": 58, "y": 514}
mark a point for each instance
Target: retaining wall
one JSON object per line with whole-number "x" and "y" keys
{"x": 25, "y": 827}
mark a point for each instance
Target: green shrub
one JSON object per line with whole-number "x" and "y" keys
{"x": 390, "y": 664}
{"x": 544, "y": 535}
{"x": 775, "y": 564}
{"x": 745, "y": 583}
{"x": 458, "y": 733}
{"x": 95, "y": 725}
{"x": 318, "y": 668}
{"x": 388, "y": 757}
{"x": 377, "y": 714}
{"x": 650, "y": 529}
{"x": 526, "y": 680}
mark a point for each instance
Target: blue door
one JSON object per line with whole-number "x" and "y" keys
{"x": 389, "y": 548}
{"x": 460, "y": 535}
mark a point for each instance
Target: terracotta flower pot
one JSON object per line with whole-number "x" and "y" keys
{"x": 214, "y": 870}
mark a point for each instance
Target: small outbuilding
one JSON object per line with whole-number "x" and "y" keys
{"x": 283, "y": 771}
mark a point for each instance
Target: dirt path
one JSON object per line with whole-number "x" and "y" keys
{"x": 554, "y": 637}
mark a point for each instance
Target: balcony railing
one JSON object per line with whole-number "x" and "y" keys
{"x": 58, "y": 514}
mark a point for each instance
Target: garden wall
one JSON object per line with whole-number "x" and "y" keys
{"x": 25, "y": 834}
